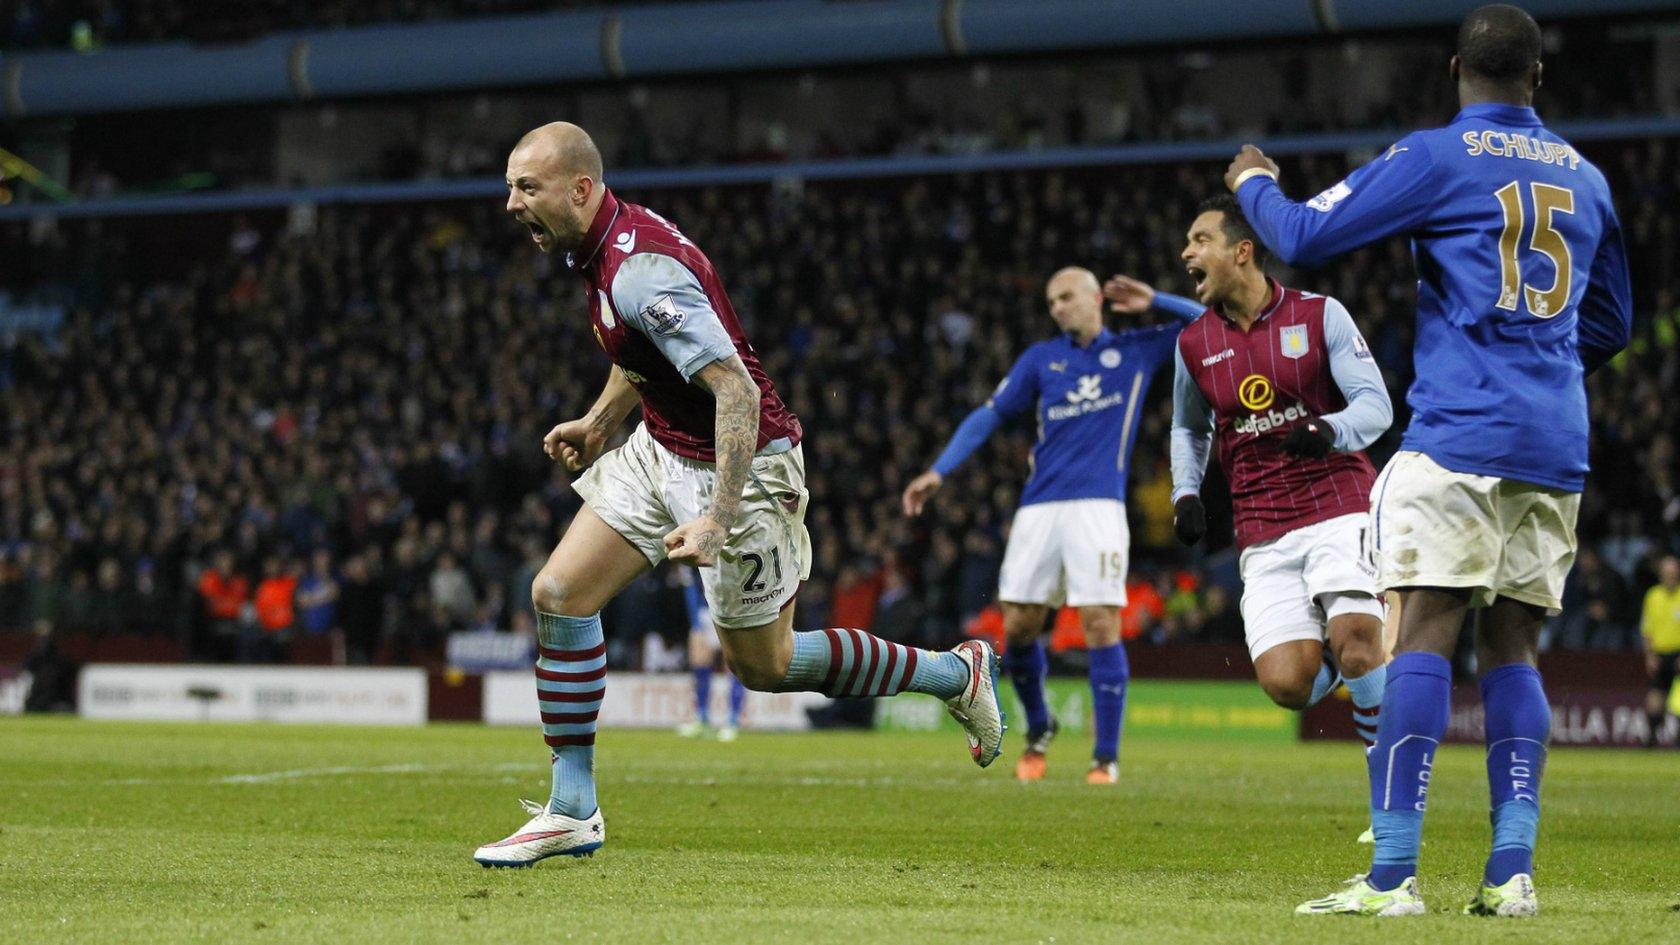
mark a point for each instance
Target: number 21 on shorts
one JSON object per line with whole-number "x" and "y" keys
{"x": 754, "y": 580}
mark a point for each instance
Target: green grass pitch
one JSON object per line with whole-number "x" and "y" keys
{"x": 133, "y": 832}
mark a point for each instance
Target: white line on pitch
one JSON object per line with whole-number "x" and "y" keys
{"x": 294, "y": 774}
{"x": 267, "y": 777}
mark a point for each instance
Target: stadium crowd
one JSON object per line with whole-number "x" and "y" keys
{"x": 329, "y": 426}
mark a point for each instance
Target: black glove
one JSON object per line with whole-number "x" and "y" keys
{"x": 1189, "y": 519}
{"x": 1312, "y": 438}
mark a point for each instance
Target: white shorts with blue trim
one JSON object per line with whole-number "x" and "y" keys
{"x": 1496, "y": 537}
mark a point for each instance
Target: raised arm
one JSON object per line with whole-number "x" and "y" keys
{"x": 1134, "y": 296}
{"x": 1390, "y": 195}
{"x": 1016, "y": 394}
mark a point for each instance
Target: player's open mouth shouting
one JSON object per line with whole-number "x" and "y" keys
{"x": 1199, "y": 275}
{"x": 539, "y": 233}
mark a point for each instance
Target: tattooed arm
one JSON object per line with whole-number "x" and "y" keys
{"x": 577, "y": 443}
{"x": 736, "y": 436}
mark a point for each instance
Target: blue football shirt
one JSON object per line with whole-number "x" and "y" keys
{"x": 1522, "y": 283}
{"x": 1088, "y": 401}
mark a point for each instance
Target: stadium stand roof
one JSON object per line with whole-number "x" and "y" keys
{"x": 670, "y": 39}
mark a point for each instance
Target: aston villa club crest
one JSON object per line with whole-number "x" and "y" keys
{"x": 607, "y": 321}
{"x": 1292, "y": 341}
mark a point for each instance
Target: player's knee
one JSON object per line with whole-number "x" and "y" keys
{"x": 1288, "y": 691}
{"x": 1019, "y": 635}
{"x": 1022, "y": 623}
{"x": 1356, "y": 641}
{"x": 551, "y": 594}
{"x": 1358, "y": 657}
{"x": 1101, "y": 626}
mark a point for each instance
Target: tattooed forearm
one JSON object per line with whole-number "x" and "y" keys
{"x": 736, "y": 434}
{"x": 604, "y": 422}
{"x": 615, "y": 403}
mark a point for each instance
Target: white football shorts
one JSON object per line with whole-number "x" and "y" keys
{"x": 1497, "y": 537}
{"x": 1073, "y": 551}
{"x": 643, "y": 490}
{"x": 1294, "y": 584}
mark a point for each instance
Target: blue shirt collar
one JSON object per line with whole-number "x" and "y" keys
{"x": 1503, "y": 114}
{"x": 1102, "y": 335}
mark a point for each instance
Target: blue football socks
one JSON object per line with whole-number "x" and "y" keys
{"x": 1109, "y": 672}
{"x": 737, "y": 696}
{"x": 1415, "y": 706}
{"x": 703, "y": 694}
{"x": 1027, "y": 668}
{"x": 1518, "y": 724}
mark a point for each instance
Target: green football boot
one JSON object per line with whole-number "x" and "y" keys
{"x": 1515, "y": 899}
{"x": 1357, "y": 897}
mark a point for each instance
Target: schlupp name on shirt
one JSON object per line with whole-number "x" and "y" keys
{"x": 1507, "y": 145}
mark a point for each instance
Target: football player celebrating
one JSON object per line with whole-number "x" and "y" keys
{"x": 713, "y": 477}
{"x": 1284, "y": 384}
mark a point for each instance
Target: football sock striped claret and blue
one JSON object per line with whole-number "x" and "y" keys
{"x": 1367, "y": 693}
{"x": 855, "y": 664}
{"x": 571, "y": 682}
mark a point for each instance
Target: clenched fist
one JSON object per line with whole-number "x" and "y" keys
{"x": 575, "y": 443}
{"x": 1248, "y": 159}
{"x": 696, "y": 542}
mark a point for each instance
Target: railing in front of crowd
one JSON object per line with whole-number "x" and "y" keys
{"x": 837, "y": 169}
